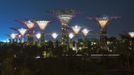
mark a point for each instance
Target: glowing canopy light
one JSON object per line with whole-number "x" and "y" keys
{"x": 131, "y": 34}
{"x": 65, "y": 18}
{"x": 22, "y": 31}
{"x": 76, "y": 29}
{"x": 29, "y": 24}
{"x": 42, "y": 24}
{"x": 71, "y": 35}
{"x": 85, "y": 32}
{"x": 38, "y": 35}
{"x": 13, "y": 35}
{"x": 103, "y": 21}
{"x": 54, "y": 35}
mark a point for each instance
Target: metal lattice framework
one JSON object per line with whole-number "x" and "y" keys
{"x": 42, "y": 25}
{"x": 103, "y": 22}
{"x": 64, "y": 16}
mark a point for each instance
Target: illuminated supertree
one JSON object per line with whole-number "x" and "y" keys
{"x": 30, "y": 26}
{"x": 18, "y": 36}
{"x": 22, "y": 32}
{"x": 71, "y": 36}
{"x": 38, "y": 36}
{"x": 131, "y": 34}
{"x": 30, "y": 29}
{"x": 64, "y": 16}
{"x": 103, "y": 23}
{"x": 42, "y": 25}
{"x": 54, "y": 36}
{"x": 13, "y": 36}
{"x": 85, "y": 32}
{"x": 76, "y": 29}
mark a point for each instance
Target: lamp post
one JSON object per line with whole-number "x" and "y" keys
{"x": 85, "y": 32}
{"x": 30, "y": 26}
{"x": 42, "y": 25}
{"x": 76, "y": 30}
{"x": 54, "y": 36}
{"x": 22, "y": 32}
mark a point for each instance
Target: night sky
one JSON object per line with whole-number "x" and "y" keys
{"x": 10, "y": 10}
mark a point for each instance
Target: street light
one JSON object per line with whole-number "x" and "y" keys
{"x": 42, "y": 25}
{"x": 54, "y": 36}
{"x": 30, "y": 25}
{"x": 22, "y": 31}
